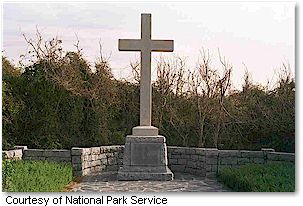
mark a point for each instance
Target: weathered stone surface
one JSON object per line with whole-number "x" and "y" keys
{"x": 229, "y": 153}
{"x": 140, "y": 154}
{"x": 287, "y": 157}
{"x": 112, "y": 161}
{"x": 281, "y": 156}
{"x": 176, "y": 156}
{"x": 94, "y": 157}
{"x": 93, "y": 163}
{"x": 87, "y": 157}
{"x": 252, "y": 154}
{"x": 182, "y": 161}
{"x": 211, "y": 152}
{"x": 228, "y": 160}
{"x": 190, "y": 170}
{"x": 76, "y": 151}
{"x": 104, "y": 161}
{"x": 258, "y": 160}
{"x": 192, "y": 164}
{"x": 109, "y": 154}
{"x": 200, "y": 164}
{"x": 58, "y": 159}
{"x": 78, "y": 173}
{"x": 201, "y": 158}
{"x": 112, "y": 168}
{"x": 208, "y": 168}
{"x": 145, "y": 131}
{"x": 273, "y": 156}
{"x": 95, "y": 150}
{"x": 77, "y": 159}
{"x": 211, "y": 175}
{"x": 33, "y": 152}
{"x": 177, "y": 168}
{"x": 146, "y": 154}
{"x": 200, "y": 151}
{"x": 77, "y": 167}
{"x": 194, "y": 157}
{"x": 86, "y": 171}
{"x": 145, "y": 139}
{"x": 189, "y": 151}
{"x": 120, "y": 155}
{"x": 177, "y": 150}
{"x": 185, "y": 156}
{"x": 214, "y": 168}
{"x": 56, "y": 153}
{"x": 8, "y": 154}
{"x": 120, "y": 162}
{"x": 243, "y": 160}
{"x": 86, "y": 151}
{"x": 211, "y": 160}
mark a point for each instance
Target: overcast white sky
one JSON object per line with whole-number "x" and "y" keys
{"x": 260, "y": 35}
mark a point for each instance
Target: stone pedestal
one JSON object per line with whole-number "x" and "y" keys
{"x": 145, "y": 158}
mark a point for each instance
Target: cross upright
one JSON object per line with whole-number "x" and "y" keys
{"x": 146, "y": 45}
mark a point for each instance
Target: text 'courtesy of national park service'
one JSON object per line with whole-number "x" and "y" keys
{"x": 81, "y": 200}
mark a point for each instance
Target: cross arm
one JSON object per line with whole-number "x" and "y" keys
{"x": 129, "y": 44}
{"x": 162, "y": 45}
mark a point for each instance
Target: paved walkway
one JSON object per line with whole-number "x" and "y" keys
{"x": 107, "y": 182}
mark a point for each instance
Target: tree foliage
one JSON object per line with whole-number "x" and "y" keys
{"x": 59, "y": 101}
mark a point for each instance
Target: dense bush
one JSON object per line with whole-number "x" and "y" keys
{"x": 59, "y": 100}
{"x": 35, "y": 176}
{"x": 259, "y": 178}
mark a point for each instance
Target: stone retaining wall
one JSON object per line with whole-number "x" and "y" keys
{"x": 96, "y": 159}
{"x": 15, "y": 154}
{"x": 205, "y": 162}
{"x": 49, "y": 155}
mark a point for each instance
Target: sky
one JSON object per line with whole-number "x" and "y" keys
{"x": 257, "y": 36}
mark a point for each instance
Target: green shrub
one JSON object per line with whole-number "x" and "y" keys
{"x": 259, "y": 178}
{"x": 57, "y": 101}
{"x": 7, "y": 172}
{"x": 35, "y": 176}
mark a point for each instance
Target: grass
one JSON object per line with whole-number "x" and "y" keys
{"x": 259, "y": 178}
{"x": 35, "y": 176}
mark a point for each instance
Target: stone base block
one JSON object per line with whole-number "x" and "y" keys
{"x": 144, "y": 174}
{"x": 145, "y": 158}
{"x": 145, "y": 131}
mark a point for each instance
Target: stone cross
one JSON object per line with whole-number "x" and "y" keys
{"x": 146, "y": 45}
{"x": 145, "y": 151}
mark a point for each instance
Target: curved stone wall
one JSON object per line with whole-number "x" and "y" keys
{"x": 205, "y": 162}
{"x": 87, "y": 161}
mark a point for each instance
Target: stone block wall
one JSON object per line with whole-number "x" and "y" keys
{"x": 198, "y": 161}
{"x": 96, "y": 159}
{"x": 276, "y": 157}
{"x": 208, "y": 162}
{"x": 15, "y": 154}
{"x": 205, "y": 162}
{"x": 49, "y": 155}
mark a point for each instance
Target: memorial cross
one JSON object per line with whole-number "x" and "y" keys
{"x": 146, "y": 45}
